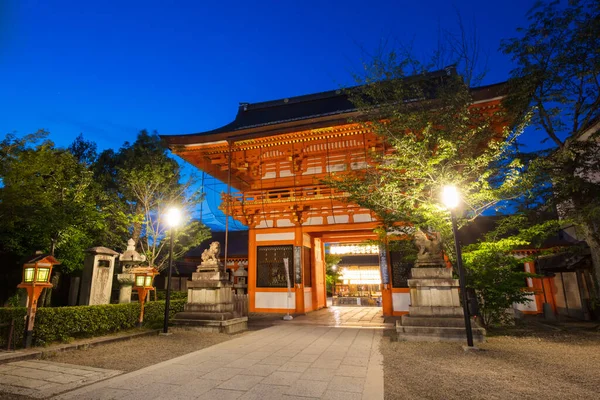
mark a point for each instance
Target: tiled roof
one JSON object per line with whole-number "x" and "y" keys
{"x": 311, "y": 106}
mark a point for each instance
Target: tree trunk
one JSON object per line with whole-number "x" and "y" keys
{"x": 593, "y": 241}
{"x": 137, "y": 226}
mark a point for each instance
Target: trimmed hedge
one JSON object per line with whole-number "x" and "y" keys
{"x": 175, "y": 295}
{"x": 66, "y": 323}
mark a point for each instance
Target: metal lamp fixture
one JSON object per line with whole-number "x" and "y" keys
{"x": 451, "y": 199}
{"x": 173, "y": 217}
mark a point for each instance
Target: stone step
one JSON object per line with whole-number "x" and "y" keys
{"x": 409, "y": 320}
{"x": 430, "y": 282}
{"x": 435, "y": 311}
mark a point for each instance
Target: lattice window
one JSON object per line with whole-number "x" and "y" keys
{"x": 270, "y": 271}
{"x": 400, "y": 269}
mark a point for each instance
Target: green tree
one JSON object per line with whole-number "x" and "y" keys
{"x": 48, "y": 202}
{"x": 557, "y": 82}
{"x": 436, "y": 140}
{"x": 142, "y": 181}
{"x": 332, "y": 274}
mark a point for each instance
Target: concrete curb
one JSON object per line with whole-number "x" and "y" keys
{"x": 21, "y": 355}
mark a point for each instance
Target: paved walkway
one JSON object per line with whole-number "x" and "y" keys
{"x": 339, "y": 316}
{"x": 42, "y": 379}
{"x": 292, "y": 361}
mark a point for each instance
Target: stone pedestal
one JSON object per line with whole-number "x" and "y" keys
{"x": 209, "y": 305}
{"x": 435, "y": 313}
{"x": 97, "y": 277}
{"x": 126, "y": 281}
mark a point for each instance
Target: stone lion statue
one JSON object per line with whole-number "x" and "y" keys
{"x": 211, "y": 255}
{"x": 430, "y": 249}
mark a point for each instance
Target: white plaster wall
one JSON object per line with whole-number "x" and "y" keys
{"x": 265, "y": 224}
{"x": 313, "y": 170}
{"x": 274, "y": 300}
{"x": 529, "y": 306}
{"x": 362, "y": 217}
{"x": 339, "y": 219}
{"x": 265, "y": 237}
{"x": 307, "y": 300}
{"x": 284, "y": 223}
{"x": 400, "y": 301}
{"x": 314, "y": 221}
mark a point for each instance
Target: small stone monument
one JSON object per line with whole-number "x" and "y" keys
{"x": 129, "y": 260}
{"x": 97, "y": 277}
{"x": 210, "y": 297}
{"x": 435, "y": 313}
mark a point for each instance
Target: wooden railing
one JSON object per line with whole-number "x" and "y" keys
{"x": 315, "y": 192}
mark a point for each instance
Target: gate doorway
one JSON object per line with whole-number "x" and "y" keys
{"x": 355, "y": 278}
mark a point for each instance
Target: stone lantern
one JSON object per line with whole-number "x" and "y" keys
{"x": 37, "y": 270}
{"x": 143, "y": 282}
{"x": 129, "y": 260}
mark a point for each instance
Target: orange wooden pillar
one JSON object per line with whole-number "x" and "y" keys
{"x": 318, "y": 286}
{"x": 252, "y": 269}
{"x": 299, "y": 287}
{"x": 537, "y": 285}
{"x": 387, "y": 302}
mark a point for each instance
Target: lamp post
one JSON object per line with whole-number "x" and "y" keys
{"x": 451, "y": 199}
{"x": 173, "y": 220}
{"x": 36, "y": 276}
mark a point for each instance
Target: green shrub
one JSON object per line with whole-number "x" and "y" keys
{"x": 64, "y": 323}
{"x": 175, "y": 295}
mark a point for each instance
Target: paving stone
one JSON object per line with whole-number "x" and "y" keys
{"x": 243, "y": 363}
{"x": 195, "y": 388}
{"x": 357, "y": 361}
{"x": 260, "y": 370}
{"x": 265, "y": 392}
{"x": 326, "y": 364}
{"x": 307, "y": 388}
{"x": 275, "y": 360}
{"x": 282, "y": 378}
{"x": 318, "y": 374}
{"x": 241, "y": 382}
{"x": 305, "y": 358}
{"x": 294, "y": 366}
{"x": 220, "y": 394}
{"x": 106, "y": 394}
{"x": 335, "y": 395}
{"x": 222, "y": 374}
{"x": 351, "y": 370}
{"x": 346, "y": 384}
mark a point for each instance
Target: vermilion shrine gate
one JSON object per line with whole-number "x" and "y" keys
{"x": 275, "y": 154}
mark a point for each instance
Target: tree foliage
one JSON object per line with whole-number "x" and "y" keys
{"x": 63, "y": 201}
{"x": 144, "y": 182}
{"x": 433, "y": 136}
{"x": 557, "y": 81}
{"x": 48, "y": 201}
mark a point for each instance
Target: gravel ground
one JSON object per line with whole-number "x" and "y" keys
{"x": 527, "y": 364}
{"x": 141, "y": 352}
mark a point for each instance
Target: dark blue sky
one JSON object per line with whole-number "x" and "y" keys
{"x": 110, "y": 68}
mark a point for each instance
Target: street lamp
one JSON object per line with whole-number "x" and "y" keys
{"x": 451, "y": 199}
{"x": 173, "y": 220}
